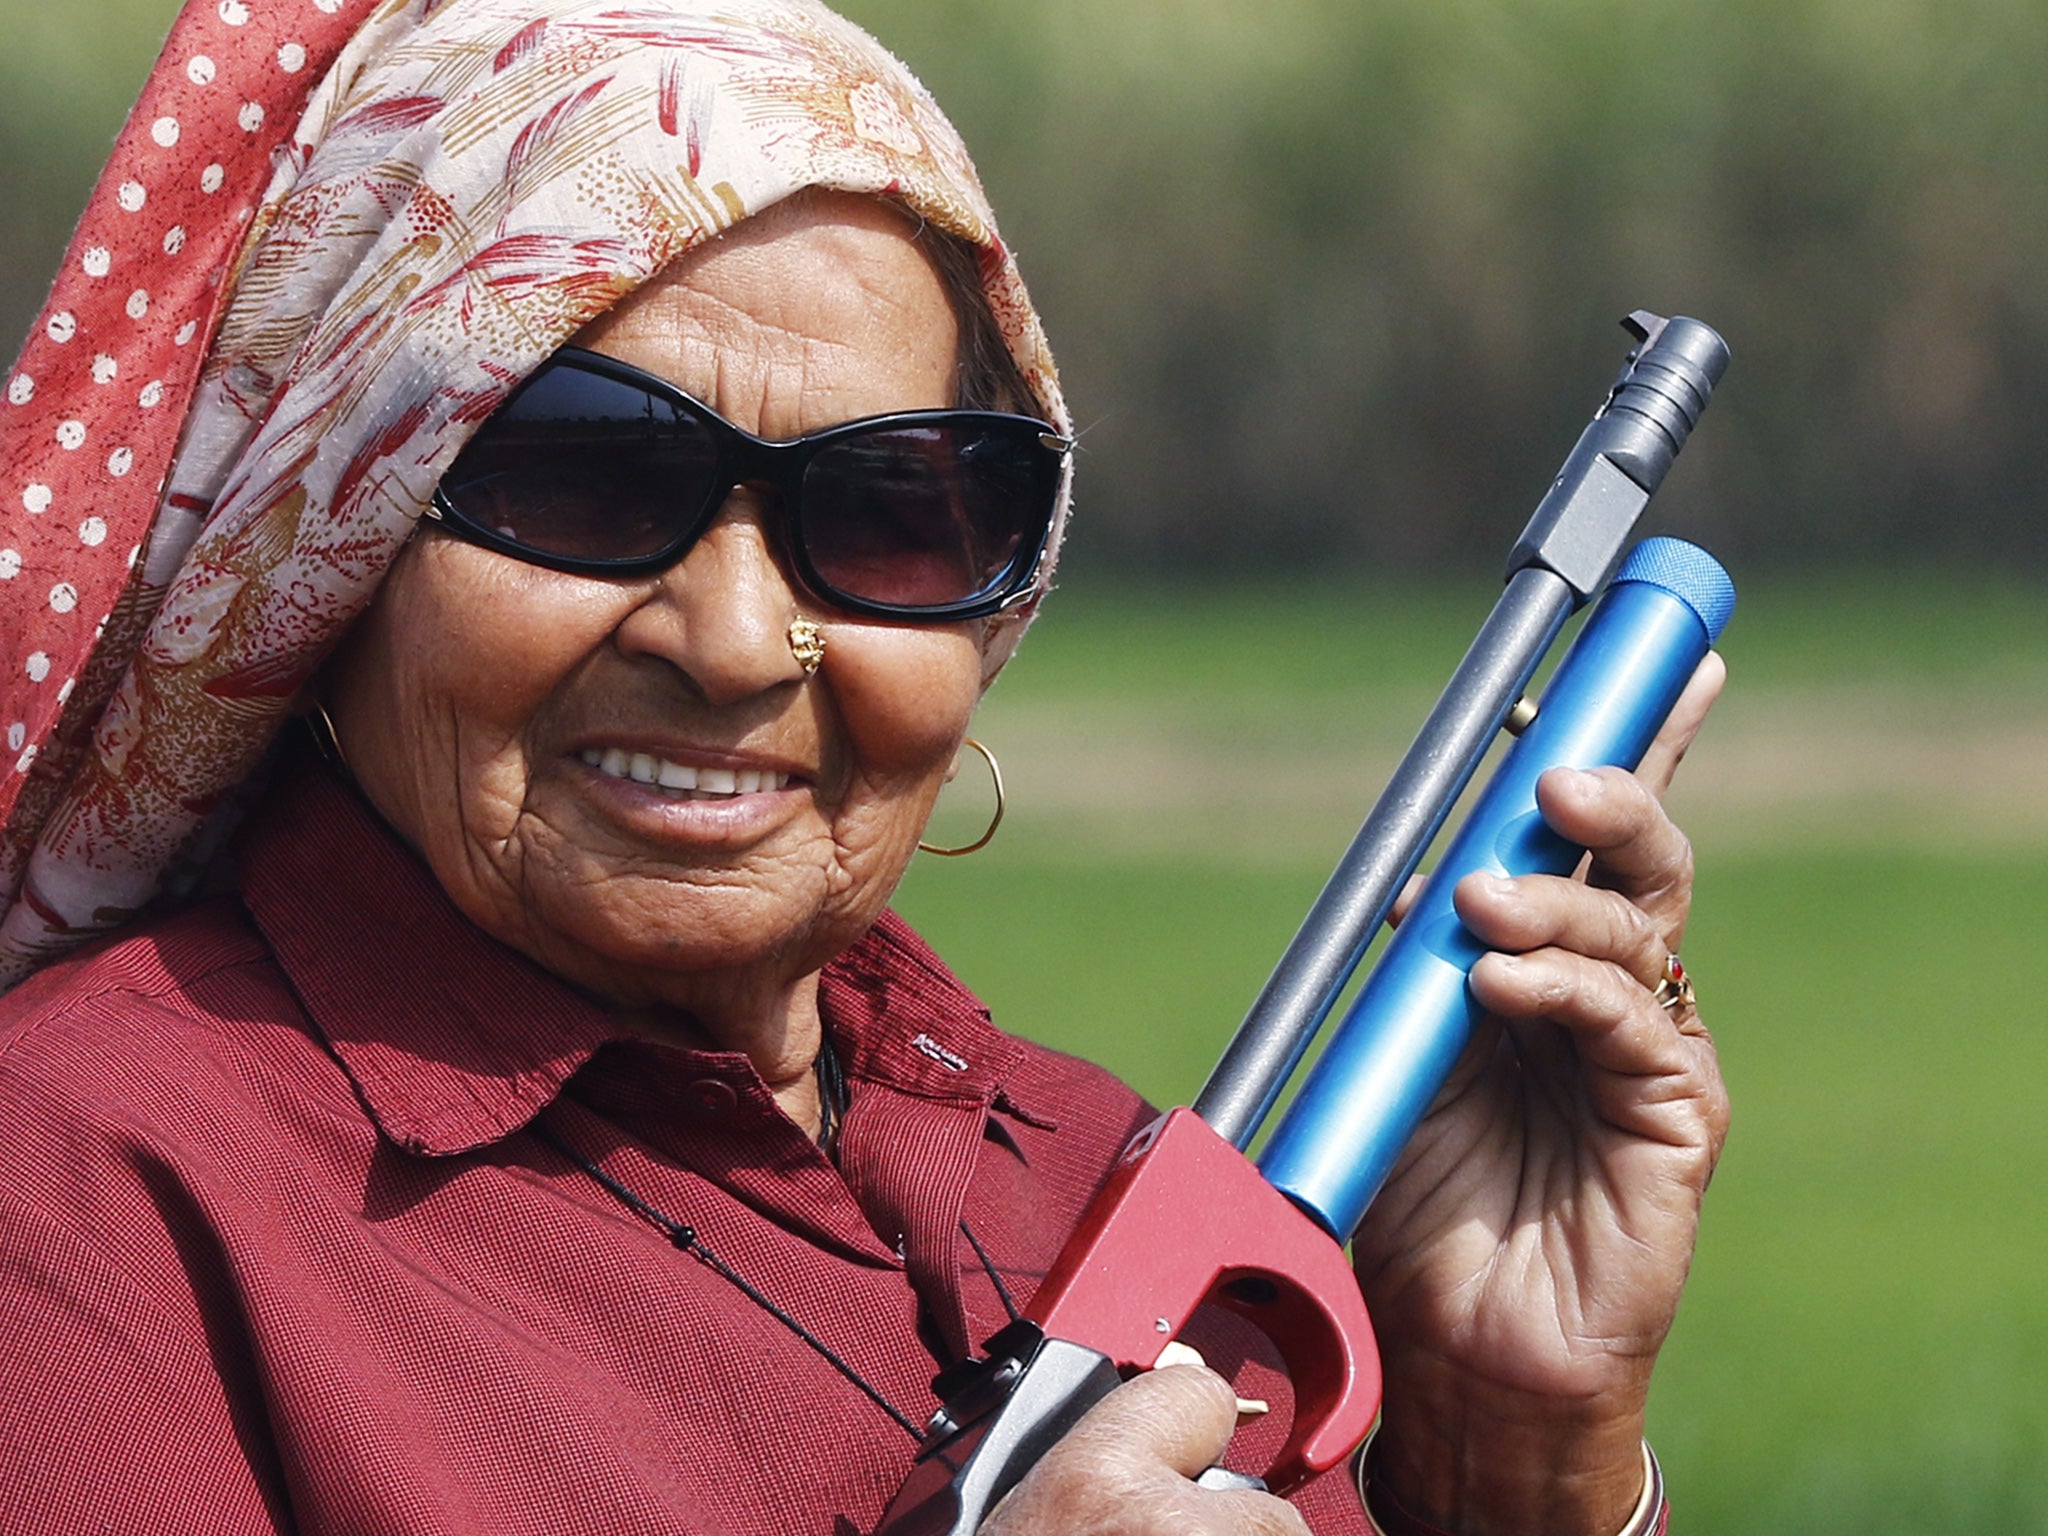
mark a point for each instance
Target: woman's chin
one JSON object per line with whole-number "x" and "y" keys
{"x": 641, "y": 897}
{"x": 636, "y": 942}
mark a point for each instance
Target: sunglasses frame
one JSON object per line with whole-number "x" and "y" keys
{"x": 744, "y": 459}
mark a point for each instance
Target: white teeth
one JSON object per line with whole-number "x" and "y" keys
{"x": 646, "y": 768}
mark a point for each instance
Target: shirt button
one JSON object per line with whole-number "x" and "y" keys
{"x": 711, "y": 1097}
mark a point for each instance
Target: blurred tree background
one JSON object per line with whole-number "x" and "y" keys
{"x": 1334, "y": 288}
{"x": 1334, "y": 283}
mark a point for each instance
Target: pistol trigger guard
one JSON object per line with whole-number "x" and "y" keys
{"x": 1185, "y": 1219}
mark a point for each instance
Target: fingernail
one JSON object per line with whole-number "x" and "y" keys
{"x": 1589, "y": 783}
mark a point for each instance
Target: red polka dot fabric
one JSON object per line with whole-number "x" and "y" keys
{"x": 96, "y": 403}
{"x": 332, "y": 238}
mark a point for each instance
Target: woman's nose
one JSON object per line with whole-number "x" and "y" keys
{"x": 721, "y": 614}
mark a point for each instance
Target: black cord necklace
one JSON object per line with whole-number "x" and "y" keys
{"x": 831, "y": 1097}
{"x": 683, "y": 1236}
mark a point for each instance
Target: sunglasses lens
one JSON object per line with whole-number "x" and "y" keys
{"x": 926, "y": 516}
{"x": 605, "y": 473}
{"x": 583, "y": 467}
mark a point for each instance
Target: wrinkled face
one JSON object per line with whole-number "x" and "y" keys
{"x": 487, "y": 705}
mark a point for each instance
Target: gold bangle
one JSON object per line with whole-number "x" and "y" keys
{"x": 1642, "y": 1521}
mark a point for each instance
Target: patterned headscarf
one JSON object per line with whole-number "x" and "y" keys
{"x": 468, "y": 183}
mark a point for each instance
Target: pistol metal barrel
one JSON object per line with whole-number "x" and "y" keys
{"x": 1565, "y": 555}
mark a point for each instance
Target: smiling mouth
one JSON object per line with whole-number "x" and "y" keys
{"x": 680, "y": 779}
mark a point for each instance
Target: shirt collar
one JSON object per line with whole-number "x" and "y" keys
{"x": 898, "y": 1016}
{"x": 454, "y": 1040}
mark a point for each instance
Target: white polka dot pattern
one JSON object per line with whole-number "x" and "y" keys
{"x": 136, "y": 287}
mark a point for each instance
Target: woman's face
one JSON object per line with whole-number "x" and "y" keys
{"x": 472, "y": 697}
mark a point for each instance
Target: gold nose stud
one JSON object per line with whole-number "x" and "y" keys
{"x": 807, "y": 644}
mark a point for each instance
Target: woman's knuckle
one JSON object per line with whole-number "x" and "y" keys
{"x": 1589, "y": 990}
{"x": 1681, "y": 857}
{"x": 1092, "y": 1457}
{"x": 1621, "y": 994}
{"x": 1718, "y": 1110}
{"x": 1633, "y": 933}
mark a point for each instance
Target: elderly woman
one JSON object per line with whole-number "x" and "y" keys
{"x": 618, "y": 430}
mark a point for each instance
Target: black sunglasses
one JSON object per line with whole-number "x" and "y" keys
{"x": 596, "y": 467}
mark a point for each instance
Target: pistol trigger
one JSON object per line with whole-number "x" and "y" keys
{"x": 1177, "y": 1353}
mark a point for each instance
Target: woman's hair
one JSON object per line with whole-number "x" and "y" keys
{"x": 986, "y": 375}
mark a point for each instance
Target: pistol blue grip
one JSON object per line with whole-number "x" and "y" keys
{"x": 1392, "y": 1051}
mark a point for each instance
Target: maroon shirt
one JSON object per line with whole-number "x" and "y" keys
{"x": 280, "y": 1250}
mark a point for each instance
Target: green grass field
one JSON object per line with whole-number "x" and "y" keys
{"x": 1864, "y": 1347}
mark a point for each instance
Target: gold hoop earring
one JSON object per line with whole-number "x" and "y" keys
{"x": 995, "y": 772}
{"x": 320, "y": 725}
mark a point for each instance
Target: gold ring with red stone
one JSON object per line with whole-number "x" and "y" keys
{"x": 1674, "y": 993}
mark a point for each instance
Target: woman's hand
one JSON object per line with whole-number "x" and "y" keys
{"x": 1125, "y": 1469}
{"x": 1524, "y": 1262}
